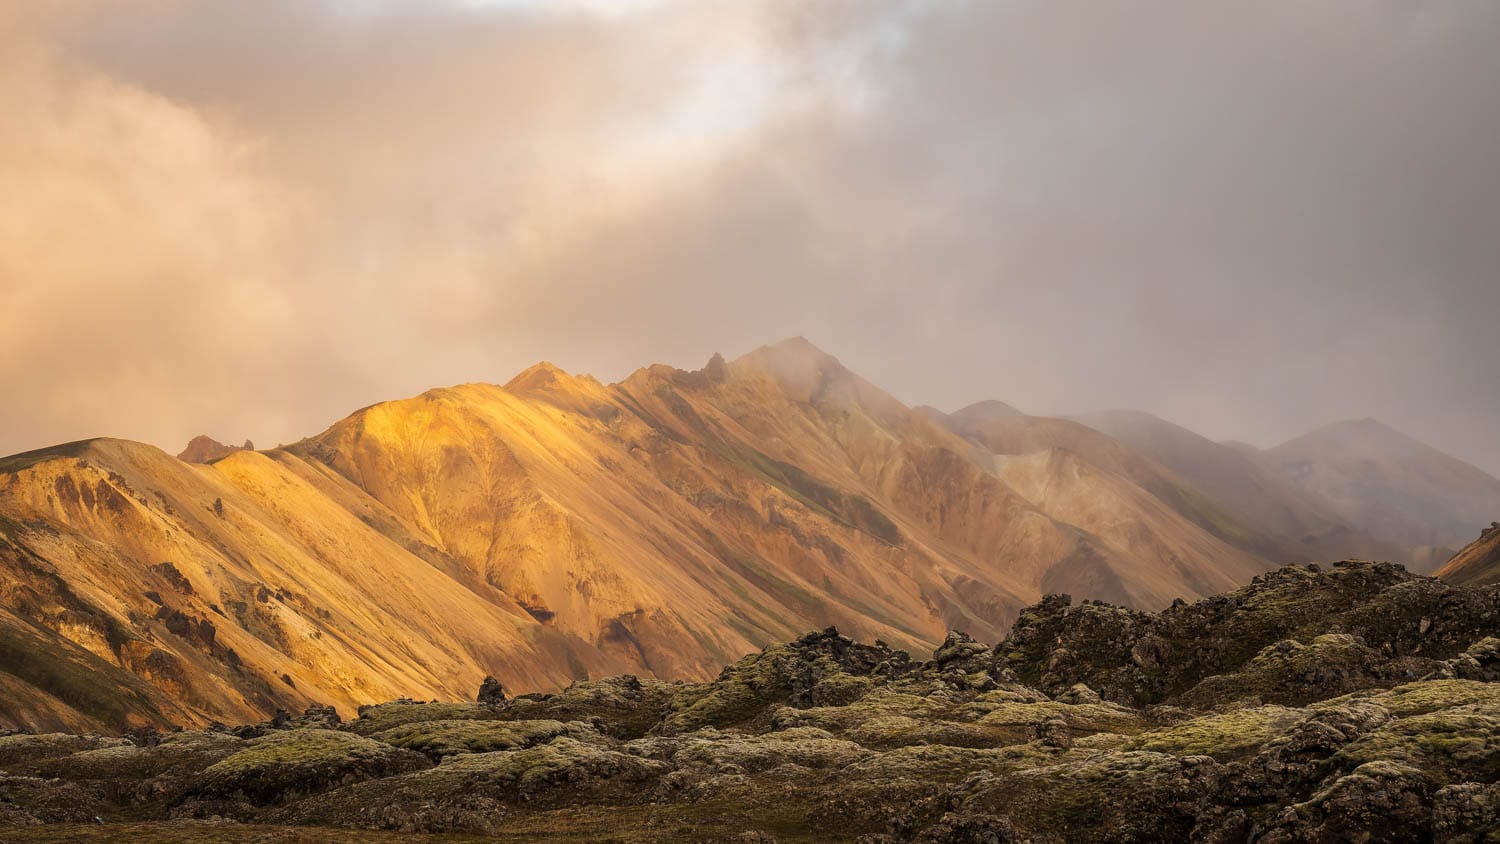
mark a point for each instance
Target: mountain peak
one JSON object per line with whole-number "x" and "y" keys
{"x": 206, "y": 449}
{"x": 983, "y": 411}
{"x": 538, "y": 376}
{"x": 802, "y": 369}
{"x": 1366, "y": 436}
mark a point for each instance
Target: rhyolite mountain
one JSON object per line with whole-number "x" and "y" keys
{"x": 558, "y": 528}
{"x": 1478, "y": 563}
{"x": 206, "y": 449}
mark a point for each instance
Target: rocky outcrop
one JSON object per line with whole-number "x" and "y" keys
{"x": 491, "y": 692}
{"x": 1349, "y": 702}
{"x": 206, "y": 449}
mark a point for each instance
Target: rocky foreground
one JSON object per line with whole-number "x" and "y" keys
{"x": 1347, "y": 702}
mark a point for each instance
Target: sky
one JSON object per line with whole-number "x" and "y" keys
{"x": 1251, "y": 217}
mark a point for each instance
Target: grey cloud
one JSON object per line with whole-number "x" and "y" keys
{"x": 1251, "y": 218}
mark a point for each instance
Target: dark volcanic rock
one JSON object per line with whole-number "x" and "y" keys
{"x": 491, "y": 692}
{"x": 1348, "y": 703}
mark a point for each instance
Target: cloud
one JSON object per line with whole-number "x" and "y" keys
{"x": 1249, "y": 217}
{"x": 141, "y": 252}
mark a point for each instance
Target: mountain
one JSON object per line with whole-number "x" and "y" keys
{"x": 1478, "y": 563}
{"x": 557, "y": 528}
{"x": 206, "y": 449}
{"x": 1294, "y": 523}
{"x": 1389, "y": 485}
{"x": 1154, "y": 521}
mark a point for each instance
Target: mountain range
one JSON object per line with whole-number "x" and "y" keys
{"x": 557, "y": 528}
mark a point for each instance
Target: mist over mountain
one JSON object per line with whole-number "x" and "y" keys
{"x": 558, "y": 528}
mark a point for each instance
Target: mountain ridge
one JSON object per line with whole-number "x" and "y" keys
{"x": 556, "y": 528}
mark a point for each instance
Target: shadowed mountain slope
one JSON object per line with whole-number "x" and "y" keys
{"x": 1242, "y": 481}
{"x": 1383, "y": 482}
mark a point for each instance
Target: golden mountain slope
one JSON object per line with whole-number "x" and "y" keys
{"x": 556, "y": 528}
{"x": 214, "y": 582}
{"x": 1478, "y": 563}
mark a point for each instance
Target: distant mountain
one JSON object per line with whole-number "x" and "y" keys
{"x": 1389, "y": 485}
{"x": 557, "y": 528}
{"x": 206, "y": 449}
{"x": 1256, "y": 495}
{"x": 1301, "y": 523}
{"x": 1478, "y": 563}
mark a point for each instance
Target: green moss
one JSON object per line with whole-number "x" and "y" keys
{"x": 33, "y": 748}
{"x": 1222, "y": 736}
{"x": 1425, "y": 696}
{"x": 1081, "y": 718}
{"x": 1291, "y": 673}
{"x": 744, "y": 691}
{"x": 296, "y": 747}
{"x": 376, "y": 719}
{"x": 943, "y": 763}
{"x": 1126, "y": 796}
{"x": 475, "y": 786}
{"x": 450, "y": 737}
{"x": 883, "y": 702}
{"x": 805, "y": 746}
{"x": 1455, "y": 745}
{"x": 285, "y": 764}
{"x": 892, "y": 731}
{"x": 179, "y": 753}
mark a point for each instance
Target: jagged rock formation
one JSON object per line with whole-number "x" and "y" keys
{"x": 1478, "y": 563}
{"x": 206, "y": 449}
{"x": 1334, "y": 703}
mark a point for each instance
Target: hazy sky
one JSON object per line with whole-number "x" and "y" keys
{"x": 1252, "y": 218}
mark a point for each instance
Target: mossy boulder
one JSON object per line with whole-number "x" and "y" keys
{"x": 1468, "y": 812}
{"x": 819, "y": 669}
{"x": 1422, "y": 697}
{"x": 1021, "y": 721}
{"x": 1223, "y": 736}
{"x": 1458, "y": 744}
{"x": 177, "y": 753}
{"x": 807, "y": 747}
{"x": 471, "y": 792}
{"x": 385, "y": 716}
{"x": 451, "y": 737}
{"x": 287, "y": 765}
{"x": 24, "y": 747}
{"x": 1378, "y": 801}
{"x": 1126, "y": 796}
{"x": 32, "y": 801}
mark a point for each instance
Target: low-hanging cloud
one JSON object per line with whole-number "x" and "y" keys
{"x": 1251, "y": 218}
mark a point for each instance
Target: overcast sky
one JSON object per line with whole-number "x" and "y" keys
{"x": 1251, "y": 218}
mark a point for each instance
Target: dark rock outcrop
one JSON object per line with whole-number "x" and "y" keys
{"x": 1345, "y": 703}
{"x": 491, "y": 693}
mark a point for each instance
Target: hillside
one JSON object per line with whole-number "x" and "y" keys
{"x": 1395, "y": 488}
{"x": 1478, "y": 563}
{"x": 1351, "y": 702}
{"x": 1258, "y": 491}
{"x": 557, "y": 528}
